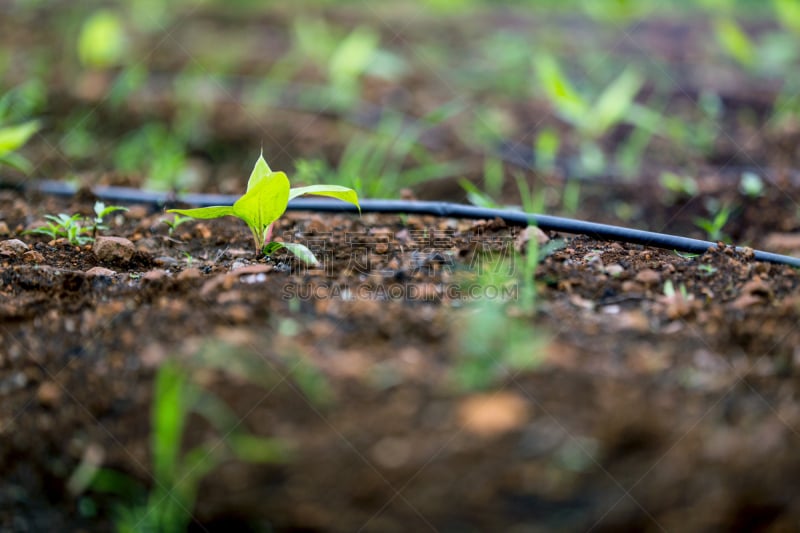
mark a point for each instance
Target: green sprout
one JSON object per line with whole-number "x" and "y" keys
{"x": 64, "y": 226}
{"x": 77, "y": 229}
{"x": 268, "y": 194}
{"x": 175, "y": 223}
{"x": 713, "y": 226}
{"x": 101, "y": 211}
{"x": 176, "y": 474}
{"x": 11, "y": 139}
{"x": 591, "y": 119}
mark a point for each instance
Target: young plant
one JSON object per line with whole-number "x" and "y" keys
{"x": 100, "y": 212}
{"x": 64, "y": 226}
{"x": 177, "y": 476}
{"x": 77, "y": 229}
{"x": 11, "y": 139}
{"x": 175, "y": 223}
{"x": 713, "y": 226}
{"x": 591, "y": 119}
{"x": 268, "y": 194}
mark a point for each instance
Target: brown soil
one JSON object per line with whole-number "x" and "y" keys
{"x": 407, "y": 379}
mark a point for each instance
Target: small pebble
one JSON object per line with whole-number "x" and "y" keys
{"x": 113, "y": 249}
{"x": 648, "y": 276}
{"x": 100, "y": 271}
{"x": 13, "y": 247}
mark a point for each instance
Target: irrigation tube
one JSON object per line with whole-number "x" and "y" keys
{"x": 439, "y": 209}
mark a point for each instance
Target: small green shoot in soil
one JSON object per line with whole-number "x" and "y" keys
{"x": 77, "y": 229}
{"x": 101, "y": 211}
{"x": 12, "y": 137}
{"x": 268, "y": 194}
{"x": 592, "y": 120}
{"x": 713, "y": 226}
{"x": 176, "y": 475}
{"x": 173, "y": 224}
{"x": 678, "y": 186}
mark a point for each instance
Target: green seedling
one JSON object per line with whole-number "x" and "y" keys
{"x": 176, "y": 476}
{"x": 77, "y": 229}
{"x": 787, "y": 12}
{"x": 268, "y": 194}
{"x": 678, "y": 186}
{"x": 156, "y": 152}
{"x": 102, "y": 41}
{"x": 12, "y": 138}
{"x": 546, "y": 148}
{"x": 101, "y": 210}
{"x": 382, "y": 162}
{"x": 176, "y": 221}
{"x": 713, "y": 226}
{"x": 64, "y": 226}
{"x": 771, "y": 54}
{"x": 591, "y": 119}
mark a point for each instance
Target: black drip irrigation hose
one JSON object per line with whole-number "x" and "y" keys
{"x": 438, "y": 209}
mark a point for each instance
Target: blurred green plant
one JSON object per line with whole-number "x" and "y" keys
{"x": 176, "y": 474}
{"x": 77, "y": 229}
{"x": 546, "y": 148}
{"x": 590, "y": 119}
{"x": 382, "y": 162}
{"x": 342, "y": 57}
{"x": 154, "y": 152}
{"x": 12, "y": 138}
{"x": 102, "y": 40}
{"x": 679, "y": 187}
{"x": 772, "y": 54}
{"x": 15, "y": 127}
{"x": 787, "y": 13}
{"x": 714, "y": 225}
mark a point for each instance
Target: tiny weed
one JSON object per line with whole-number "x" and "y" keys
{"x": 713, "y": 226}
{"x": 176, "y": 476}
{"x": 268, "y": 194}
{"x": 101, "y": 211}
{"x": 64, "y": 226}
{"x": 591, "y": 119}
{"x": 77, "y": 229}
{"x": 13, "y": 137}
{"x": 176, "y": 221}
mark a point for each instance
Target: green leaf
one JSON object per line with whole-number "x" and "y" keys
{"x": 264, "y": 203}
{"x": 216, "y": 211}
{"x": 17, "y": 161}
{"x": 735, "y": 42}
{"x": 302, "y": 252}
{"x": 615, "y": 101}
{"x": 352, "y": 56}
{"x": 260, "y": 172}
{"x": 334, "y": 191}
{"x": 569, "y": 104}
{"x": 171, "y": 399}
{"x": 13, "y": 137}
